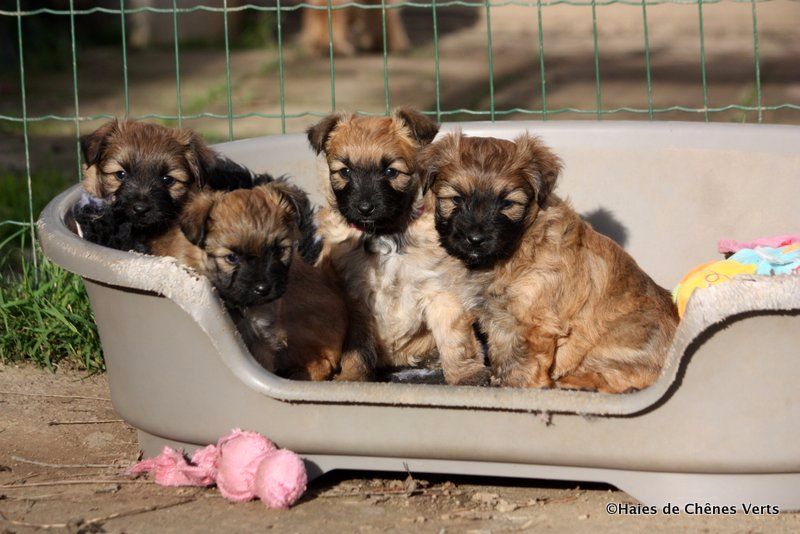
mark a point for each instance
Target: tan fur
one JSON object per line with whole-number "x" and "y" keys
{"x": 353, "y": 29}
{"x": 569, "y": 308}
{"x": 182, "y": 153}
{"x": 409, "y": 301}
{"x": 308, "y": 323}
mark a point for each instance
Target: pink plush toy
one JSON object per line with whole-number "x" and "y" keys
{"x": 244, "y": 465}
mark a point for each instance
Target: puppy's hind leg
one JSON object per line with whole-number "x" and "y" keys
{"x": 460, "y": 353}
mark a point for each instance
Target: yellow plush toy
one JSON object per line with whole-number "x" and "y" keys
{"x": 705, "y": 275}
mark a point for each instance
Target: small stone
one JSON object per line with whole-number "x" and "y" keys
{"x": 397, "y": 485}
{"x": 484, "y": 497}
{"x": 109, "y": 489}
{"x": 504, "y": 506}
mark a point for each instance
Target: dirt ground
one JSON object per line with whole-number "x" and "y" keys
{"x": 63, "y": 452}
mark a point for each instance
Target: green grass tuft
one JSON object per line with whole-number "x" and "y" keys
{"x": 45, "y": 315}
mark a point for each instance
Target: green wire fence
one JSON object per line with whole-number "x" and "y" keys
{"x": 281, "y": 9}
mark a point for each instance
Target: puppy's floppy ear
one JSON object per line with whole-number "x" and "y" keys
{"x": 194, "y": 217}
{"x": 92, "y": 144}
{"x": 319, "y": 133}
{"x": 302, "y": 214}
{"x": 199, "y": 157}
{"x": 539, "y": 163}
{"x": 431, "y": 158}
{"x": 423, "y": 128}
{"x": 296, "y": 200}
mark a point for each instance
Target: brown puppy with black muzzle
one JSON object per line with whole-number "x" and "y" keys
{"x": 291, "y": 314}
{"x": 138, "y": 176}
{"x": 561, "y": 304}
{"x": 408, "y": 300}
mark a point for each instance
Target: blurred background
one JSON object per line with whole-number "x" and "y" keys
{"x": 234, "y": 69}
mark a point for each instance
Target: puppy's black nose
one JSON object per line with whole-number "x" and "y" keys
{"x": 141, "y": 208}
{"x": 476, "y": 238}
{"x": 261, "y": 289}
{"x": 366, "y": 207}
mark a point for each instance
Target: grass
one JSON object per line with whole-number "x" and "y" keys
{"x": 45, "y": 315}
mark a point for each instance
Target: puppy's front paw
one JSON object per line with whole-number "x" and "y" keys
{"x": 475, "y": 376}
{"x": 520, "y": 378}
{"x": 353, "y": 369}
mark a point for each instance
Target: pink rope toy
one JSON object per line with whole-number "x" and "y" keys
{"x": 244, "y": 465}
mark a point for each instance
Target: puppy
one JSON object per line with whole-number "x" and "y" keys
{"x": 407, "y": 298}
{"x": 353, "y": 29}
{"x": 138, "y": 176}
{"x": 291, "y": 314}
{"x": 562, "y": 305}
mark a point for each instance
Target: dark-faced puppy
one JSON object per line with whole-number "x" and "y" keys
{"x": 246, "y": 242}
{"x": 138, "y": 177}
{"x": 489, "y": 193}
{"x": 407, "y": 298}
{"x": 561, "y": 304}
{"x": 370, "y": 167}
{"x": 144, "y": 171}
{"x": 249, "y": 239}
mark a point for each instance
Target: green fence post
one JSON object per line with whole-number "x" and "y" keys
{"x": 126, "y": 97}
{"x": 703, "y": 58}
{"x": 541, "y": 58}
{"x": 227, "y": 68}
{"x": 329, "y": 9}
{"x": 647, "y": 60}
{"x": 437, "y": 72}
{"x": 490, "y": 54}
{"x": 597, "y": 90}
{"x": 385, "y": 59}
{"x": 177, "y": 62}
{"x": 26, "y": 141}
{"x": 281, "y": 86}
{"x": 75, "y": 87}
{"x": 756, "y": 61}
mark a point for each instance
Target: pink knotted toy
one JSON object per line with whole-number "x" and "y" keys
{"x": 244, "y": 465}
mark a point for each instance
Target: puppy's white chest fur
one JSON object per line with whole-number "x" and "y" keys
{"x": 399, "y": 289}
{"x": 398, "y": 278}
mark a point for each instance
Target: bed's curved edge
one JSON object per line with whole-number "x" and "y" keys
{"x": 714, "y": 305}
{"x": 196, "y": 297}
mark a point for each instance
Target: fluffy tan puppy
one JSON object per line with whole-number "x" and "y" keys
{"x": 409, "y": 302}
{"x": 290, "y": 313}
{"x": 561, "y": 304}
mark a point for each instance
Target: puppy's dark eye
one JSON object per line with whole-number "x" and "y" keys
{"x": 344, "y": 172}
{"x": 456, "y": 200}
{"x": 167, "y": 180}
{"x": 390, "y": 173}
{"x": 507, "y": 204}
{"x": 121, "y": 175}
{"x": 232, "y": 258}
